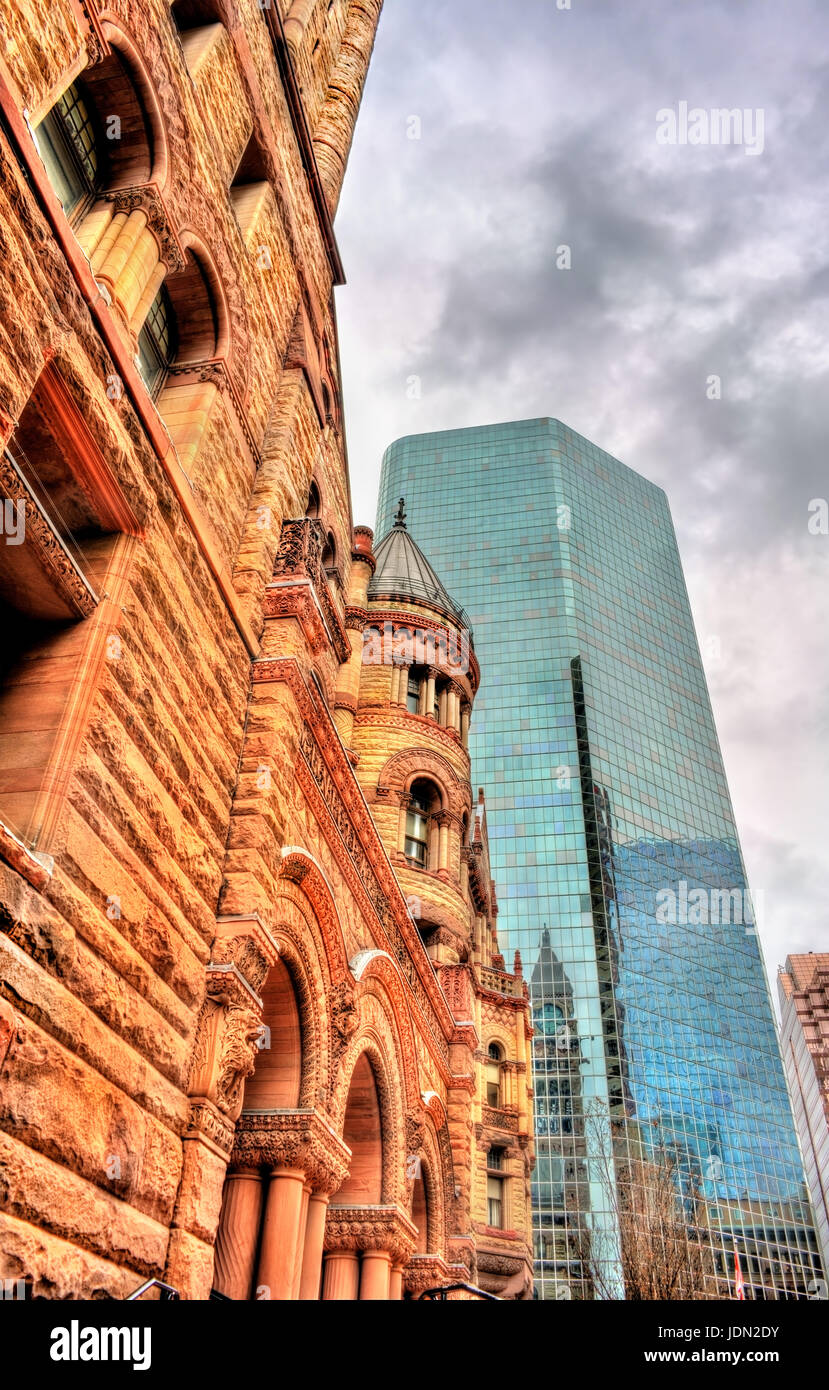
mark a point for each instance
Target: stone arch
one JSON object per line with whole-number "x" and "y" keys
{"x": 405, "y": 767}
{"x": 222, "y": 346}
{"x": 377, "y": 965}
{"x": 302, "y": 954}
{"x": 127, "y": 55}
{"x": 376, "y": 1046}
{"x": 437, "y": 1131}
{"x": 300, "y": 867}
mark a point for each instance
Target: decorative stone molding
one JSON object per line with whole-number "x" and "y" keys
{"x": 43, "y": 541}
{"x": 230, "y": 1023}
{"x": 344, "y": 1020}
{"x": 428, "y": 1272}
{"x": 356, "y": 619}
{"x": 415, "y": 1133}
{"x": 148, "y": 200}
{"x": 499, "y": 1119}
{"x": 301, "y": 1139}
{"x": 246, "y": 943}
{"x": 371, "y": 1228}
{"x": 300, "y": 588}
{"x": 216, "y": 371}
{"x": 206, "y": 1122}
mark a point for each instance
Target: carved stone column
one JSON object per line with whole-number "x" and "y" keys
{"x": 307, "y": 1161}
{"x": 224, "y": 1055}
{"x": 309, "y": 1284}
{"x": 342, "y": 1275}
{"x": 375, "y": 1274}
{"x": 384, "y": 1234}
{"x": 429, "y": 711}
{"x": 443, "y": 820}
{"x": 283, "y": 1234}
{"x": 238, "y": 1235}
{"x": 465, "y": 713}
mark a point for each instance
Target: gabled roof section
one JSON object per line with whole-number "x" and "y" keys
{"x": 403, "y": 572}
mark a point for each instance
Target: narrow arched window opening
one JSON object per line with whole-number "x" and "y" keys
{"x": 157, "y": 342}
{"x": 69, "y": 142}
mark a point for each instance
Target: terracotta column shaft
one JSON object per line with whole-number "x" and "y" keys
{"x": 396, "y": 1284}
{"x": 238, "y": 1234}
{"x": 311, "y": 1277}
{"x": 342, "y": 1275}
{"x": 282, "y": 1232}
{"x": 375, "y": 1275}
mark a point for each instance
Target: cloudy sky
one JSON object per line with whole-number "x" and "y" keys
{"x": 537, "y": 128}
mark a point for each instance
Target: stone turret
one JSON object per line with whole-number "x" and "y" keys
{"x": 404, "y": 706}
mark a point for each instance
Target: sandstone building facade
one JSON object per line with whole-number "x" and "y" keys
{"x": 255, "y": 1033}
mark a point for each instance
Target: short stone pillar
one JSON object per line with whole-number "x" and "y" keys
{"x": 283, "y": 1234}
{"x": 385, "y": 1235}
{"x": 238, "y": 1235}
{"x": 311, "y": 1274}
{"x": 342, "y": 1275}
{"x": 375, "y": 1272}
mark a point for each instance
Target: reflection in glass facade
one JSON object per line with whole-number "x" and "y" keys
{"x": 614, "y": 849}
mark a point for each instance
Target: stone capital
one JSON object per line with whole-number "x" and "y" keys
{"x": 383, "y": 1227}
{"x": 299, "y": 1139}
{"x": 428, "y": 1272}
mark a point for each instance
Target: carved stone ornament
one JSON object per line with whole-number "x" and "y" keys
{"x": 246, "y": 943}
{"x": 45, "y": 546}
{"x": 371, "y": 1228}
{"x": 147, "y": 199}
{"x": 301, "y": 1139}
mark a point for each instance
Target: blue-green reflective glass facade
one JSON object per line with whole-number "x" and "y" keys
{"x": 615, "y": 853}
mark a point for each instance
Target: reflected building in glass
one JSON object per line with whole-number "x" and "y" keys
{"x": 615, "y": 851}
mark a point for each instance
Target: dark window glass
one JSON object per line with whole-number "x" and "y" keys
{"x": 66, "y": 140}
{"x": 156, "y": 343}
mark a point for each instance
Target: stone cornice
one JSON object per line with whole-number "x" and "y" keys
{"x": 300, "y": 1139}
{"x": 371, "y": 1228}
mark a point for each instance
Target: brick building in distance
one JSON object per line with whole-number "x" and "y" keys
{"x": 255, "y": 1033}
{"x": 803, "y": 987}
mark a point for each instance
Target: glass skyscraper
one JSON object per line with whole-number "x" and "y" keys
{"x": 616, "y": 857}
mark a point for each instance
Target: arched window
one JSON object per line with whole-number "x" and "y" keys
{"x": 329, "y": 554}
{"x": 492, "y": 1075}
{"x": 424, "y": 801}
{"x": 413, "y": 692}
{"x": 312, "y": 508}
{"x": 157, "y": 342}
{"x": 103, "y": 133}
{"x": 193, "y": 301}
{"x": 69, "y": 142}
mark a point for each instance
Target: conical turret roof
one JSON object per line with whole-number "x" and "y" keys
{"x": 403, "y": 572}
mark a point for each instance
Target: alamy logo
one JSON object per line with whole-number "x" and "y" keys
{"x": 719, "y": 126}
{"x": 709, "y": 907}
{"x": 76, "y": 1343}
{"x": 13, "y": 520}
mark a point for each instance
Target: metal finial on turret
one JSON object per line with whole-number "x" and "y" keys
{"x": 400, "y": 519}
